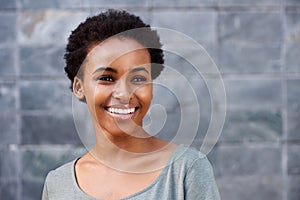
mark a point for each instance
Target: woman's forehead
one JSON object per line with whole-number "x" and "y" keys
{"x": 114, "y": 48}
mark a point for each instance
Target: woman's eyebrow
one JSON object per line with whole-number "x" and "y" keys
{"x": 109, "y": 69}
{"x": 139, "y": 69}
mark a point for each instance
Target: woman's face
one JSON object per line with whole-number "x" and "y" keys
{"x": 117, "y": 84}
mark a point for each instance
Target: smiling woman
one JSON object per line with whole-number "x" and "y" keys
{"x": 111, "y": 71}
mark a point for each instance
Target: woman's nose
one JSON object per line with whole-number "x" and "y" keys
{"x": 122, "y": 91}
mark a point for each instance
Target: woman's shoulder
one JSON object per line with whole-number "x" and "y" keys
{"x": 64, "y": 172}
{"x": 198, "y": 174}
{"x": 187, "y": 159}
{"x": 188, "y": 154}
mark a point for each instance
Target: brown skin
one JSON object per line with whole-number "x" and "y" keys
{"x": 125, "y": 159}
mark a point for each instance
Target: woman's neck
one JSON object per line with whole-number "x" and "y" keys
{"x": 128, "y": 153}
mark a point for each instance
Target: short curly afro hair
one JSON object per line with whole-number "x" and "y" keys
{"x": 108, "y": 24}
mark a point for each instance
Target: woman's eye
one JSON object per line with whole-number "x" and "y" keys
{"x": 106, "y": 78}
{"x": 139, "y": 79}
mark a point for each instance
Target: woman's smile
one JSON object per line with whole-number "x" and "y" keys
{"x": 121, "y": 112}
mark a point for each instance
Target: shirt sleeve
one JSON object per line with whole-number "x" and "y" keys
{"x": 200, "y": 183}
{"x": 45, "y": 191}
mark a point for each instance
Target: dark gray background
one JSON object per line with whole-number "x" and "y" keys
{"x": 255, "y": 43}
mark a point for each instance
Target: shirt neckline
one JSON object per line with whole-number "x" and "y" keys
{"x": 158, "y": 178}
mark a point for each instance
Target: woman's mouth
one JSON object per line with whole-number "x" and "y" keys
{"x": 121, "y": 113}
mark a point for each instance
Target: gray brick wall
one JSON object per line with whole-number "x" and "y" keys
{"x": 256, "y": 45}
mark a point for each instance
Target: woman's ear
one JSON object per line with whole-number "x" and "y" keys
{"x": 78, "y": 89}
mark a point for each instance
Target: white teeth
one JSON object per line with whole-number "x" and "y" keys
{"x": 121, "y": 111}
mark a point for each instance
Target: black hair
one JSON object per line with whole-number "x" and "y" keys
{"x": 107, "y": 24}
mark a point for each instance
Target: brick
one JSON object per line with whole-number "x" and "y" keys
{"x": 185, "y": 4}
{"x": 182, "y": 85}
{"x": 231, "y": 161}
{"x": 46, "y": 95}
{"x": 250, "y": 94}
{"x": 34, "y": 4}
{"x": 293, "y": 109}
{"x": 9, "y": 127}
{"x": 251, "y": 187}
{"x": 181, "y": 97}
{"x": 292, "y": 42}
{"x": 8, "y": 4}
{"x": 8, "y": 93}
{"x": 46, "y": 60}
{"x": 292, "y": 59}
{"x": 200, "y": 88}
{"x": 252, "y": 126}
{"x": 48, "y": 26}
{"x": 292, "y": 27}
{"x": 249, "y": 3}
{"x": 32, "y": 189}
{"x": 176, "y": 102}
{"x": 205, "y": 33}
{"x": 7, "y": 27}
{"x": 49, "y": 129}
{"x": 236, "y": 57}
{"x": 292, "y": 2}
{"x": 9, "y": 189}
{"x": 251, "y": 27}
{"x": 186, "y": 95}
{"x": 187, "y": 61}
{"x": 10, "y": 169}
{"x": 202, "y": 132}
{"x": 293, "y": 187}
{"x": 116, "y": 3}
{"x": 7, "y": 57}
{"x": 293, "y": 160}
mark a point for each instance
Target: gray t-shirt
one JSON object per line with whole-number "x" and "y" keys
{"x": 188, "y": 175}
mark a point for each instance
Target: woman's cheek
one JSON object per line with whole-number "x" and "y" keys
{"x": 101, "y": 93}
{"x": 145, "y": 96}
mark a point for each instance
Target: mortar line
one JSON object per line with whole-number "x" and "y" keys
{"x": 284, "y": 106}
{"x": 18, "y": 98}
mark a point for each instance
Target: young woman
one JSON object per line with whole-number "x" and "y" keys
{"x": 109, "y": 62}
